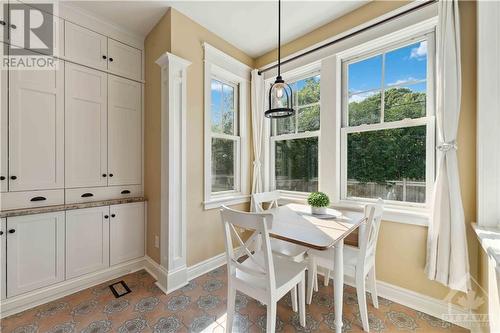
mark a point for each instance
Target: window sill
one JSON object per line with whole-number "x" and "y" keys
{"x": 233, "y": 199}
{"x": 398, "y": 214}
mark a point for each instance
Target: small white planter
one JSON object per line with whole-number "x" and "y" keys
{"x": 318, "y": 210}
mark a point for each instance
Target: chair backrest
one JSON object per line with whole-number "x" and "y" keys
{"x": 368, "y": 244}
{"x": 265, "y": 197}
{"x": 260, "y": 223}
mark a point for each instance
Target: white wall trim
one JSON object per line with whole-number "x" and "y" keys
{"x": 225, "y": 61}
{"x": 206, "y": 266}
{"x": 173, "y": 272}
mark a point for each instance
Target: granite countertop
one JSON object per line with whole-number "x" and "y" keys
{"x": 59, "y": 208}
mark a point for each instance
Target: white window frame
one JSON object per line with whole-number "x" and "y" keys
{"x": 292, "y": 76}
{"x": 222, "y": 67}
{"x": 428, "y": 120}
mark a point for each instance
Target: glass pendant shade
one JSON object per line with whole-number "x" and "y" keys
{"x": 280, "y": 100}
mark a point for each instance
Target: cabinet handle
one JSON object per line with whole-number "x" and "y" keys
{"x": 1, "y": 233}
{"x": 86, "y": 195}
{"x": 2, "y": 22}
{"x": 125, "y": 192}
{"x": 104, "y": 175}
{"x": 13, "y": 177}
{"x": 113, "y": 215}
{"x": 106, "y": 216}
{"x": 111, "y": 59}
{"x": 38, "y": 199}
{"x": 104, "y": 57}
{"x": 11, "y": 231}
{"x": 13, "y": 26}
{"x": 2, "y": 177}
{"x": 111, "y": 175}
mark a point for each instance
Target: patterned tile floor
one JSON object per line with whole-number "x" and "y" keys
{"x": 201, "y": 307}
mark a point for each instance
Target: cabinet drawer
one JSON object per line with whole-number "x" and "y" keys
{"x": 88, "y": 194}
{"x": 31, "y": 199}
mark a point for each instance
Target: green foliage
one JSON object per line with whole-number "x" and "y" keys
{"x": 318, "y": 199}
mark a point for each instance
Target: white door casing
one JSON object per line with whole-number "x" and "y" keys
{"x": 87, "y": 240}
{"x": 126, "y": 232}
{"x": 36, "y": 129}
{"x": 86, "y": 127}
{"x": 124, "y": 131}
{"x": 35, "y": 252}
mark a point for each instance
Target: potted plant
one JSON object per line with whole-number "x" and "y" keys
{"x": 318, "y": 201}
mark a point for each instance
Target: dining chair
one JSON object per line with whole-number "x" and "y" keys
{"x": 262, "y": 275}
{"x": 279, "y": 247}
{"x": 359, "y": 262}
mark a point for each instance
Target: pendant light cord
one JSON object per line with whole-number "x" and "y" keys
{"x": 279, "y": 37}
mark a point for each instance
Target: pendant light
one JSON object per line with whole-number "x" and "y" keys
{"x": 280, "y": 94}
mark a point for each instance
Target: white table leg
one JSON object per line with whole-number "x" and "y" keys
{"x": 338, "y": 284}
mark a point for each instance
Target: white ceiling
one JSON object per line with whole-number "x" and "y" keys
{"x": 249, "y": 25}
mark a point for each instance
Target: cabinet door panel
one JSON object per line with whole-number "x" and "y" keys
{"x": 87, "y": 241}
{"x": 4, "y": 19}
{"x": 4, "y": 125}
{"x": 86, "y": 127}
{"x": 3, "y": 259}
{"x": 36, "y": 133}
{"x": 124, "y": 131}
{"x": 124, "y": 60}
{"x": 85, "y": 46}
{"x": 35, "y": 252}
{"x": 126, "y": 232}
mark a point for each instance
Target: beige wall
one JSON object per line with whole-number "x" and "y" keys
{"x": 402, "y": 248}
{"x": 157, "y": 42}
{"x": 183, "y": 37}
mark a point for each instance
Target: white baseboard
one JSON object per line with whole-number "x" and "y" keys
{"x": 29, "y": 300}
{"x": 206, "y": 266}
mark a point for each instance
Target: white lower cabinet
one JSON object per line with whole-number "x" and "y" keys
{"x": 3, "y": 261}
{"x": 87, "y": 241}
{"x": 126, "y": 232}
{"x": 35, "y": 252}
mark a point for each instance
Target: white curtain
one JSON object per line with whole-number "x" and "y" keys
{"x": 258, "y": 101}
{"x": 447, "y": 258}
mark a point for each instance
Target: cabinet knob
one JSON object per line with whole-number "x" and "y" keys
{"x": 1, "y": 232}
{"x": 104, "y": 175}
{"x": 111, "y": 175}
{"x": 13, "y": 177}
{"x": 113, "y": 215}
{"x": 2, "y": 177}
{"x": 103, "y": 56}
{"x": 2, "y": 22}
{"x": 11, "y": 231}
{"x": 111, "y": 59}
{"x": 106, "y": 216}
{"x": 13, "y": 26}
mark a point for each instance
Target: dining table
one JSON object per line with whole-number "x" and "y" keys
{"x": 296, "y": 224}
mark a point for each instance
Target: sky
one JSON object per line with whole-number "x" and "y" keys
{"x": 402, "y": 65}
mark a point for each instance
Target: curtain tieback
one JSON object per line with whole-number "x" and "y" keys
{"x": 447, "y": 146}
{"x": 256, "y": 164}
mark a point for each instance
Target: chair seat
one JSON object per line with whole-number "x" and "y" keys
{"x": 325, "y": 258}
{"x": 287, "y": 249}
{"x": 286, "y": 272}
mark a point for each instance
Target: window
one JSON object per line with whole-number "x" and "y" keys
{"x": 294, "y": 140}
{"x": 227, "y": 84}
{"x": 387, "y": 133}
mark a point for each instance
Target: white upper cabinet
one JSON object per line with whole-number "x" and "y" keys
{"x": 36, "y": 129}
{"x": 124, "y": 60}
{"x": 86, "y": 127}
{"x": 4, "y": 22}
{"x": 4, "y": 127}
{"x": 87, "y": 241}
{"x": 124, "y": 131}
{"x": 85, "y": 46}
{"x": 35, "y": 252}
{"x": 126, "y": 232}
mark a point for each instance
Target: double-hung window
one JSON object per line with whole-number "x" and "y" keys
{"x": 294, "y": 140}
{"x": 387, "y": 134}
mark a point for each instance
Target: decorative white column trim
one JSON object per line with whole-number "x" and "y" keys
{"x": 173, "y": 270}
